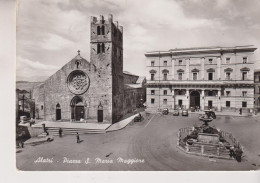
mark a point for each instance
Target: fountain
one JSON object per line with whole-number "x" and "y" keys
{"x": 209, "y": 141}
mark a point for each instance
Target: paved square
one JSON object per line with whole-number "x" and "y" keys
{"x": 148, "y": 145}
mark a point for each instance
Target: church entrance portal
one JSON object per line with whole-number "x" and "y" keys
{"x": 77, "y": 108}
{"x": 194, "y": 99}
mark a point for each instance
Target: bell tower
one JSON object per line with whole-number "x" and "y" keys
{"x": 106, "y": 56}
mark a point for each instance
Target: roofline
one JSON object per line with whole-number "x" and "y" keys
{"x": 177, "y": 51}
{"x": 130, "y": 74}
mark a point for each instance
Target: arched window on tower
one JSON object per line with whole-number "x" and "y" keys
{"x": 98, "y": 48}
{"x": 103, "y": 30}
{"x": 98, "y": 30}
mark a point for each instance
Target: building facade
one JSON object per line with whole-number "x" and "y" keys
{"x": 92, "y": 90}
{"x": 257, "y": 90}
{"x": 220, "y": 78}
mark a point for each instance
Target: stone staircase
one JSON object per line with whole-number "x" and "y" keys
{"x": 54, "y": 131}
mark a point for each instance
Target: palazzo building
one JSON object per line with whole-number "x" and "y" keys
{"x": 91, "y": 90}
{"x": 221, "y": 78}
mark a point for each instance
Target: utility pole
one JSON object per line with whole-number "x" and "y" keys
{"x": 23, "y": 103}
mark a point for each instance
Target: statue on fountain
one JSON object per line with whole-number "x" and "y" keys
{"x": 207, "y": 117}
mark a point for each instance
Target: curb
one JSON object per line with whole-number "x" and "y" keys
{"x": 121, "y": 124}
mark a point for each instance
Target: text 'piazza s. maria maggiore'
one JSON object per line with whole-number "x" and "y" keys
{"x": 97, "y": 160}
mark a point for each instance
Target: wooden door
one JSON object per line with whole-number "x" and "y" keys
{"x": 58, "y": 114}
{"x": 79, "y": 113}
{"x": 100, "y": 115}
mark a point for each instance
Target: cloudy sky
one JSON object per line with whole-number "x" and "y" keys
{"x": 49, "y": 32}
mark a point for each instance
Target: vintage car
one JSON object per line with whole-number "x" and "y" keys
{"x": 138, "y": 118}
{"x": 165, "y": 111}
{"x": 176, "y": 112}
{"x": 185, "y": 112}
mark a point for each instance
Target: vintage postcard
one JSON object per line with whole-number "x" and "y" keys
{"x": 128, "y": 85}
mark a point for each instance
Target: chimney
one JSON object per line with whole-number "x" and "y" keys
{"x": 101, "y": 19}
{"x": 93, "y": 19}
{"x": 110, "y": 18}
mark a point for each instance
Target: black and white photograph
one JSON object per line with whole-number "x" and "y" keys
{"x": 137, "y": 85}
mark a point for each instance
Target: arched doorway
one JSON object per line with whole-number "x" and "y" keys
{"x": 77, "y": 108}
{"x": 194, "y": 99}
{"x": 58, "y": 112}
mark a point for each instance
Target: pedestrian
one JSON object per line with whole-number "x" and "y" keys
{"x": 238, "y": 154}
{"x": 240, "y": 111}
{"x": 231, "y": 152}
{"x": 21, "y": 144}
{"x": 32, "y": 121}
{"x": 60, "y": 132}
{"x": 78, "y": 140}
{"x": 47, "y": 133}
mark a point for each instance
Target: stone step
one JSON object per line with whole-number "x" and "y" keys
{"x": 79, "y": 131}
{"x": 72, "y": 129}
{"x": 74, "y": 132}
{"x": 54, "y": 131}
{"x": 70, "y": 133}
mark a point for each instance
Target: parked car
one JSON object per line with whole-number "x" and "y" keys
{"x": 175, "y": 112}
{"x": 138, "y": 118}
{"x": 165, "y": 111}
{"x": 185, "y": 112}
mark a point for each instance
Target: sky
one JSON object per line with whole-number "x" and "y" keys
{"x": 49, "y": 32}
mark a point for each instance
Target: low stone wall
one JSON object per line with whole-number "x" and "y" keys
{"x": 230, "y": 137}
{"x": 35, "y": 132}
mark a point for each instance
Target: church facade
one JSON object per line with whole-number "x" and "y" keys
{"x": 88, "y": 90}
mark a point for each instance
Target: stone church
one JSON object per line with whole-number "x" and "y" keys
{"x": 92, "y": 90}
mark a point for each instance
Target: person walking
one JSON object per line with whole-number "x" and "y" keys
{"x": 21, "y": 144}
{"x": 240, "y": 111}
{"x": 47, "y": 133}
{"x": 78, "y": 140}
{"x": 231, "y": 152}
{"x": 60, "y": 132}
